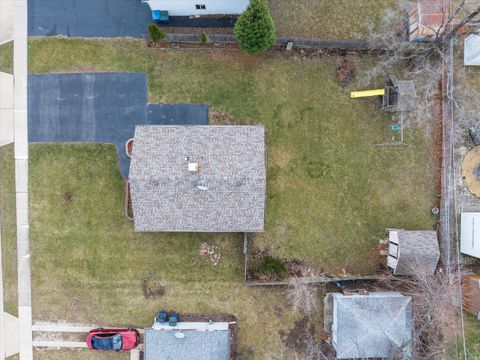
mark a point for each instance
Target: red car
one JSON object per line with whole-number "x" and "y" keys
{"x": 113, "y": 339}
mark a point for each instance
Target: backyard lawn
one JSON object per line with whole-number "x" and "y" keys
{"x": 331, "y": 194}
{"x": 326, "y": 19}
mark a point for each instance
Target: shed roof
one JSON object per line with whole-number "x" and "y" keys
{"x": 407, "y": 95}
{"x": 470, "y": 234}
{"x": 226, "y": 194}
{"x": 376, "y": 325}
{"x": 195, "y": 345}
{"x": 427, "y": 18}
{"x": 471, "y": 52}
{"x": 413, "y": 252}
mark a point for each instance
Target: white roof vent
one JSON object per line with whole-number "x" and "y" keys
{"x": 179, "y": 335}
{"x": 193, "y": 167}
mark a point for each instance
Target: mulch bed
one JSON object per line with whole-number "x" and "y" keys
{"x": 128, "y": 202}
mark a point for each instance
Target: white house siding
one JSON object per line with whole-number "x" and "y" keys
{"x": 188, "y": 7}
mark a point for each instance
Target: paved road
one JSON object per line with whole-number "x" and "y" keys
{"x": 100, "y": 107}
{"x": 88, "y": 18}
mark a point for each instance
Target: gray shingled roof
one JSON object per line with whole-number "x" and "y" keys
{"x": 195, "y": 345}
{"x": 376, "y": 325}
{"x": 165, "y": 195}
{"x": 418, "y": 252}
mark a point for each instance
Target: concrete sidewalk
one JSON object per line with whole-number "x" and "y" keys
{"x": 20, "y": 64}
{"x": 6, "y": 21}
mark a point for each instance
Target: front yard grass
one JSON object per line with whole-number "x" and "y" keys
{"x": 88, "y": 265}
{"x": 6, "y": 57}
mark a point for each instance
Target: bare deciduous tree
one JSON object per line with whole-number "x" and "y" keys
{"x": 302, "y": 297}
{"x": 422, "y": 62}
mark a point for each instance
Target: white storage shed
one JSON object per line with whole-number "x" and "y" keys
{"x": 470, "y": 234}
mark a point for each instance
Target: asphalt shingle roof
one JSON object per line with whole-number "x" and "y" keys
{"x": 195, "y": 345}
{"x": 418, "y": 252}
{"x": 371, "y": 326}
{"x": 232, "y": 174}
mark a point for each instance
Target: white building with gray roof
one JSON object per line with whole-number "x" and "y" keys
{"x": 198, "y": 178}
{"x": 376, "y": 325}
{"x": 188, "y": 341}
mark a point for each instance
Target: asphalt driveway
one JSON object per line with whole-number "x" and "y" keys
{"x": 88, "y": 18}
{"x": 99, "y": 107}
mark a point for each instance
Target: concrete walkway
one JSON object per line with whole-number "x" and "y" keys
{"x": 6, "y": 107}
{"x": 20, "y": 16}
{"x": 6, "y": 21}
{"x": 12, "y": 345}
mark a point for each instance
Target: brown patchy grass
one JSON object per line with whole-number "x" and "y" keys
{"x": 327, "y": 19}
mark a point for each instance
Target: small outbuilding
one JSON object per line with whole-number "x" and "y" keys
{"x": 427, "y": 20}
{"x": 471, "y": 294}
{"x": 375, "y": 325}
{"x": 471, "y": 50}
{"x": 470, "y": 233}
{"x": 413, "y": 252}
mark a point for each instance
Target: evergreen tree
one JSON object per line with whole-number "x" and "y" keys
{"x": 255, "y": 29}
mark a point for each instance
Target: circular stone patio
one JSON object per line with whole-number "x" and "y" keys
{"x": 471, "y": 170}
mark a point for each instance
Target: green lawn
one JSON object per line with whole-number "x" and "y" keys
{"x": 327, "y": 19}
{"x": 6, "y": 57}
{"x": 472, "y": 333}
{"x": 331, "y": 195}
{"x": 7, "y": 229}
{"x": 88, "y": 265}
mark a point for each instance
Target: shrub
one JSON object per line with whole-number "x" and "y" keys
{"x": 272, "y": 265}
{"x": 203, "y": 38}
{"x": 255, "y": 29}
{"x": 156, "y": 34}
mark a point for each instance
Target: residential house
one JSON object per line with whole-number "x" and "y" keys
{"x": 188, "y": 341}
{"x": 198, "y": 7}
{"x": 198, "y": 178}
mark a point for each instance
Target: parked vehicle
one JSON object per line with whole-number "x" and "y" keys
{"x": 113, "y": 339}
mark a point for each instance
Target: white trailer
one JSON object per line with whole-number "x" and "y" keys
{"x": 198, "y": 7}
